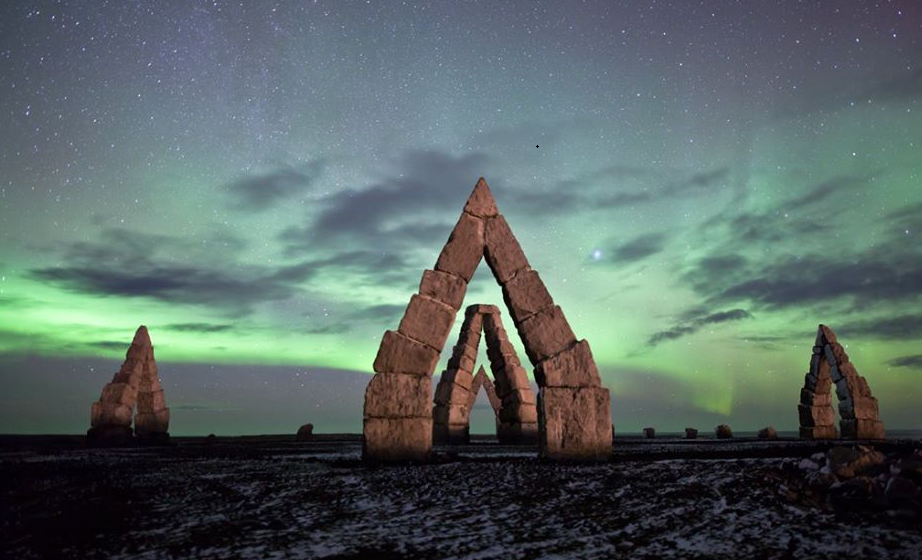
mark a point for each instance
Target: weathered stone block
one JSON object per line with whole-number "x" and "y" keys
{"x": 121, "y": 393}
{"x": 691, "y": 433}
{"x": 509, "y": 379}
{"x": 130, "y": 373}
{"x": 816, "y": 415}
{"x": 458, "y": 377}
{"x": 464, "y": 249}
{"x": 427, "y": 320}
{"x": 810, "y": 398}
{"x": 519, "y": 396}
{"x": 449, "y": 393}
{"x": 818, "y": 432}
{"x": 768, "y": 432}
{"x": 572, "y": 367}
{"x": 499, "y": 349}
{"x": 451, "y": 414}
{"x": 575, "y": 423}
{"x": 108, "y": 413}
{"x": 518, "y": 413}
{"x": 525, "y": 295}
{"x": 545, "y": 334}
{"x": 649, "y": 433}
{"x": 503, "y": 252}
{"x": 517, "y": 433}
{"x": 864, "y": 408}
{"x": 397, "y": 439}
{"x": 444, "y": 287}
{"x": 151, "y": 401}
{"x": 835, "y": 354}
{"x": 723, "y": 431}
{"x": 398, "y": 395}
{"x": 481, "y": 309}
{"x": 825, "y": 335}
{"x": 463, "y": 363}
{"x": 400, "y": 354}
{"x": 861, "y": 428}
{"x": 481, "y": 202}
{"x": 152, "y": 422}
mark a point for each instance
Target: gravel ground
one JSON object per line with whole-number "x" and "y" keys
{"x": 264, "y": 499}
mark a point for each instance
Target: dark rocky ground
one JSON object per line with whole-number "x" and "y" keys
{"x": 273, "y": 498}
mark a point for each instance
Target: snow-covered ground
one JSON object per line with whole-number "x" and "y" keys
{"x": 238, "y": 500}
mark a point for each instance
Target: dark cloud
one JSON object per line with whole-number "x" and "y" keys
{"x": 198, "y": 327}
{"x": 899, "y": 327}
{"x": 126, "y": 264}
{"x": 868, "y": 279}
{"x": 378, "y": 314}
{"x": 639, "y": 248}
{"x": 260, "y": 192}
{"x": 822, "y": 191}
{"x": 914, "y": 361}
{"x": 656, "y": 187}
{"x": 696, "y": 324}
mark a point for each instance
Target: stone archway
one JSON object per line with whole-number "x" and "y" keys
{"x": 136, "y": 385}
{"x": 511, "y": 396}
{"x": 574, "y": 418}
{"x": 858, "y": 409}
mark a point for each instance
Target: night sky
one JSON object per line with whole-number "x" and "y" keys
{"x": 263, "y": 183}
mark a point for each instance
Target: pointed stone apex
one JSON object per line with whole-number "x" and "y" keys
{"x": 481, "y": 202}
{"x": 141, "y": 337}
{"x": 824, "y": 335}
{"x": 481, "y": 372}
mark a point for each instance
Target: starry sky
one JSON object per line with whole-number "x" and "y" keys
{"x": 699, "y": 185}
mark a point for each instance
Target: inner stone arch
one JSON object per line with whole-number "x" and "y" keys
{"x": 135, "y": 386}
{"x": 510, "y": 394}
{"x": 858, "y": 409}
{"x": 573, "y": 409}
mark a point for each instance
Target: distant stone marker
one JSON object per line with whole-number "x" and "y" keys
{"x": 649, "y": 433}
{"x": 723, "y": 431}
{"x": 691, "y": 433}
{"x": 305, "y": 433}
{"x": 511, "y": 397}
{"x": 574, "y": 419}
{"x": 858, "y": 409}
{"x": 768, "y": 432}
{"x": 136, "y": 383}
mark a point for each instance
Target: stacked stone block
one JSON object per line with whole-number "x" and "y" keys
{"x": 858, "y": 409}
{"x": 135, "y": 385}
{"x": 573, "y": 415}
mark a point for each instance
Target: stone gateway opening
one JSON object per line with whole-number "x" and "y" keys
{"x": 136, "y": 385}
{"x": 858, "y": 410}
{"x": 510, "y": 394}
{"x": 573, "y": 414}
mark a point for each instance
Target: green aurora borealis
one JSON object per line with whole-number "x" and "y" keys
{"x": 263, "y": 187}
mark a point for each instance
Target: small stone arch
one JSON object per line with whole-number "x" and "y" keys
{"x": 574, "y": 415}
{"x": 512, "y": 398}
{"x": 829, "y": 364}
{"x": 136, "y": 386}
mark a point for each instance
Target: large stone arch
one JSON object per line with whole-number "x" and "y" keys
{"x": 858, "y": 409}
{"x": 517, "y": 414}
{"x": 574, "y": 418}
{"x": 136, "y": 386}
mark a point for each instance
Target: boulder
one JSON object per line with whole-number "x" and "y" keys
{"x": 768, "y": 432}
{"x": 649, "y": 433}
{"x": 691, "y": 433}
{"x": 723, "y": 432}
